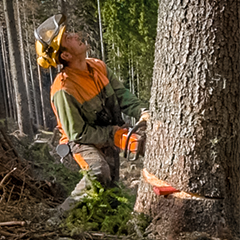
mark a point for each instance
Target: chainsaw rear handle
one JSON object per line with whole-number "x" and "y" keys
{"x": 134, "y": 129}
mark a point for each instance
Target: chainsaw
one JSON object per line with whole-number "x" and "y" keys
{"x": 132, "y": 141}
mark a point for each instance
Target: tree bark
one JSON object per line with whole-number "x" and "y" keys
{"x": 41, "y": 94}
{"x": 100, "y": 30}
{"x": 61, "y": 7}
{"x": 16, "y": 71}
{"x": 9, "y": 90}
{"x": 36, "y": 107}
{"x": 23, "y": 61}
{"x": 4, "y": 113}
{"x": 193, "y": 136}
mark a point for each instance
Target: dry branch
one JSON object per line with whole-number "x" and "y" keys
{"x": 5, "y": 178}
{"x": 4, "y": 233}
{"x": 22, "y": 223}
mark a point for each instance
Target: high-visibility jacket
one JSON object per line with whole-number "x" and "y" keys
{"x": 88, "y": 103}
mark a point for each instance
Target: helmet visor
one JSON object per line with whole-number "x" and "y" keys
{"x": 49, "y": 29}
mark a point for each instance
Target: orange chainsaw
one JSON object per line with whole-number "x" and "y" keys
{"x": 131, "y": 141}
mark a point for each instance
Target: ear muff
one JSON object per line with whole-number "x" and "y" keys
{"x": 44, "y": 59}
{"x": 43, "y": 62}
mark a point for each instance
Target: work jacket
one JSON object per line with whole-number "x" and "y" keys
{"x": 88, "y": 103}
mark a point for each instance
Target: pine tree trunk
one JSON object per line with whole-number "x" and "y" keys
{"x": 138, "y": 83}
{"x": 16, "y": 71}
{"x": 41, "y": 94}
{"x": 36, "y": 107}
{"x": 193, "y": 136}
{"x": 118, "y": 63}
{"x": 132, "y": 73}
{"x": 61, "y": 7}
{"x": 100, "y": 30}
{"x": 5, "y": 110}
{"x": 23, "y": 61}
{"x": 9, "y": 90}
{"x": 3, "y": 99}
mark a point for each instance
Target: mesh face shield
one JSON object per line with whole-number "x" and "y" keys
{"x": 48, "y": 39}
{"x": 49, "y": 29}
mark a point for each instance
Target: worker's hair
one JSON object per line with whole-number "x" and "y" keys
{"x": 62, "y": 61}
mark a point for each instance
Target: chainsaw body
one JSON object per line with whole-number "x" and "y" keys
{"x": 132, "y": 141}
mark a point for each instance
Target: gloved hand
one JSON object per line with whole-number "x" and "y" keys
{"x": 145, "y": 116}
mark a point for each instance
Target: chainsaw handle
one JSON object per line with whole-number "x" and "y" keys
{"x": 134, "y": 129}
{"x": 128, "y": 154}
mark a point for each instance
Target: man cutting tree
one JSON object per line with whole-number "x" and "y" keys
{"x": 88, "y": 102}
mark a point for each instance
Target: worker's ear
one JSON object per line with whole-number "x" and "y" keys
{"x": 66, "y": 56}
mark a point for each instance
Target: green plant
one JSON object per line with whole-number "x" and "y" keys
{"x": 107, "y": 210}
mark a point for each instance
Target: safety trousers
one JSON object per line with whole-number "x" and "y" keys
{"x": 103, "y": 164}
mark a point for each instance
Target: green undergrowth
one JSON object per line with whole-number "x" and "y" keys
{"x": 106, "y": 210}
{"x": 47, "y": 168}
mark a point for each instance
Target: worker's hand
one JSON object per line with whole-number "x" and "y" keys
{"x": 145, "y": 116}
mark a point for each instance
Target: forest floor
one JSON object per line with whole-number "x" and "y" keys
{"x": 33, "y": 182}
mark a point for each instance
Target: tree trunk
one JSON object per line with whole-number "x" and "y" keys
{"x": 23, "y": 61}
{"x": 100, "y": 30}
{"x": 5, "y": 110}
{"x": 118, "y": 62}
{"x": 36, "y": 111}
{"x": 16, "y": 71}
{"x": 132, "y": 73}
{"x": 61, "y": 7}
{"x": 9, "y": 89}
{"x": 41, "y": 94}
{"x": 193, "y": 136}
{"x": 138, "y": 83}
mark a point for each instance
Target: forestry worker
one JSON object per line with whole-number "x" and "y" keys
{"x": 87, "y": 100}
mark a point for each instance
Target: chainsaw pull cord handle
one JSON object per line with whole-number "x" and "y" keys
{"x": 134, "y": 129}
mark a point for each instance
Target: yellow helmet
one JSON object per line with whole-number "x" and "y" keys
{"x": 48, "y": 39}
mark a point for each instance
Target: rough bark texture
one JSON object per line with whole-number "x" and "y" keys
{"x": 16, "y": 70}
{"x": 3, "y": 97}
{"x": 193, "y": 137}
{"x": 23, "y": 61}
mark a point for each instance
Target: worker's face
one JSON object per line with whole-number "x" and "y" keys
{"x": 74, "y": 44}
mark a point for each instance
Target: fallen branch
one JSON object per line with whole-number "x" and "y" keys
{"x": 7, "y": 234}
{"x": 43, "y": 236}
{"x": 5, "y": 178}
{"x": 103, "y": 235}
{"x": 12, "y": 223}
{"x": 8, "y": 142}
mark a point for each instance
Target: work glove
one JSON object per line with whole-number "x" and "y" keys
{"x": 145, "y": 116}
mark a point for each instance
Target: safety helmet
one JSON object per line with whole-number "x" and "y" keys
{"x": 48, "y": 39}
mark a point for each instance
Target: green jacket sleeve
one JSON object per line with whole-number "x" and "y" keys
{"x": 69, "y": 114}
{"x": 128, "y": 102}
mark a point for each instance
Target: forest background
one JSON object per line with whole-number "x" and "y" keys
{"x": 193, "y": 134}
{"x": 121, "y": 33}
